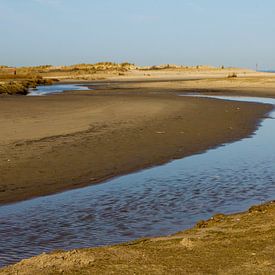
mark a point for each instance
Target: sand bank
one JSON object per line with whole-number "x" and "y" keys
{"x": 59, "y": 142}
{"x": 249, "y": 83}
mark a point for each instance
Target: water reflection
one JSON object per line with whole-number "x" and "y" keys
{"x": 55, "y": 89}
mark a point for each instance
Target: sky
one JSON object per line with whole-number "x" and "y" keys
{"x": 145, "y": 32}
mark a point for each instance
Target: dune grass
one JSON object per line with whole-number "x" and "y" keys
{"x": 19, "y": 84}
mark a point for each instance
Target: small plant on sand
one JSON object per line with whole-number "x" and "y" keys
{"x": 233, "y": 75}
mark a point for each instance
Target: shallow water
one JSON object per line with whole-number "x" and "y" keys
{"x": 55, "y": 89}
{"x": 153, "y": 202}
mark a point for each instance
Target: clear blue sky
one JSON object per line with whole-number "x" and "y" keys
{"x": 214, "y": 32}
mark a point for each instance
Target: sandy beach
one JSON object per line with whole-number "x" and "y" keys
{"x": 59, "y": 142}
{"x": 209, "y": 81}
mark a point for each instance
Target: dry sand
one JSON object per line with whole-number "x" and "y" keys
{"x": 248, "y": 83}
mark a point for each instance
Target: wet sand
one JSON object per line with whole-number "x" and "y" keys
{"x": 59, "y": 142}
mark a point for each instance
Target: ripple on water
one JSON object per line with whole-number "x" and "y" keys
{"x": 55, "y": 89}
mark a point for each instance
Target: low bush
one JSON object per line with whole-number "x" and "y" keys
{"x": 233, "y": 75}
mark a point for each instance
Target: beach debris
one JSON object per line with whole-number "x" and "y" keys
{"x": 160, "y": 132}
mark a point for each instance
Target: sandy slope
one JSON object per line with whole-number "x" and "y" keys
{"x": 235, "y": 244}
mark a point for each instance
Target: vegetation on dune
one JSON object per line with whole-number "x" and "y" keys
{"x": 233, "y": 75}
{"x": 177, "y": 67}
{"x": 13, "y": 88}
{"x": 100, "y": 70}
{"x": 97, "y": 71}
{"x": 18, "y": 80}
{"x": 20, "y": 84}
{"x": 79, "y": 68}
